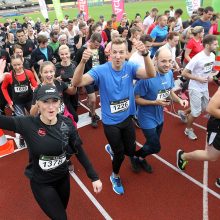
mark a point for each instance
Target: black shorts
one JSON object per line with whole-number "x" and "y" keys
{"x": 216, "y": 140}
{"x": 91, "y": 89}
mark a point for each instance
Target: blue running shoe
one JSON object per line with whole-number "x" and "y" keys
{"x": 116, "y": 185}
{"x": 109, "y": 150}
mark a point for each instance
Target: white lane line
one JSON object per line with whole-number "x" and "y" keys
{"x": 90, "y": 196}
{"x": 184, "y": 174}
{"x": 205, "y": 193}
{"x": 175, "y": 115}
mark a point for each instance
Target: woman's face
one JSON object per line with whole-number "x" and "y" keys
{"x": 19, "y": 52}
{"x": 17, "y": 65}
{"x": 47, "y": 74}
{"x": 64, "y": 55}
{"x": 49, "y": 108}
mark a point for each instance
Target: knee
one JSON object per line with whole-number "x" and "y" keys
{"x": 152, "y": 148}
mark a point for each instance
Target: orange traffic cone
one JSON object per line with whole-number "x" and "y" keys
{"x": 6, "y": 147}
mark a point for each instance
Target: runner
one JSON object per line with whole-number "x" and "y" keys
{"x": 115, "y": 82}
{"x": 212, "y": 152}
{"x": 50, "y": 139}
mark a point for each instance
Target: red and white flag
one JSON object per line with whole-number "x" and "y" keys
{"x": 83, "y": 6}
{"x": 118, "y": 8}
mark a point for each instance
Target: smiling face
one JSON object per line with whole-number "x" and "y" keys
{"x": 118, "y": 54}
{"x": 17, "y": 65}
{"x": 64, "y": 54}
{"x": 164, "y": 61}
{"x": 49, "y": 109}
{"x": 47, "y": 74}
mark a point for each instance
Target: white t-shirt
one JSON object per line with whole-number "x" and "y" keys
{"x": 178, "y": 25}
{"x": 148, "y": 21}
{"x": 137, "y": 59}
{"x": 200, "y": 65}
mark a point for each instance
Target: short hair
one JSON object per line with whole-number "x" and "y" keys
{"x": 146, "y": 37}
{"x": 19, "y": 31}
{"x": 207, "y": 9}
{"x": 133, "y": 29}
{"x": 171, "y": 35}
{"x": 209, "y": 39}
{"x": 171, "y": 19}
{"x": 42, "y": 39}
{"x": 113, "y": 15}
{"x": 82, "y": 25}
{"x": 94, "y": 26}
{"x": 114, "y": 32}
{"x": 96, "y": 37}
{"x": 179, "y": 11}
{"x": 154, "y": 10}
{"x": 53, "y": 33}
{"x": 166, "y": 11}
{"x": 119, "y": 41}
{"x": 109, "y": 23}
{"x": 70, "y": 22}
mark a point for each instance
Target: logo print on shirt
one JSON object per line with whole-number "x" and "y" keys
{"x": 41, "y": 132}
{"x": 64, "y": 127}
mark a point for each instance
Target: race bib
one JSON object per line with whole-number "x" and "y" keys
{"x": 208, "y": 67}
{"x": 163, "y": 94}
{"x": 21, "y": 89}
{"x": 47, "y": 163}
{"x": 119, "y": 106}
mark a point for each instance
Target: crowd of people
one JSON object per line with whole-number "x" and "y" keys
{"x": 131, "y": 64}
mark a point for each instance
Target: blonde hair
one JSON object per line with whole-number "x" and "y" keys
{"x": 64, "y": 47}
{"x": 44, "y": 64}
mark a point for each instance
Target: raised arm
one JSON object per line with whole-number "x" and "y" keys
{"x": 79, "y": 79}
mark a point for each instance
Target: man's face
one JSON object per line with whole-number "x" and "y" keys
{"x": 118, "y": 54}
{"x": 207, "y": 16}
{"x": 70, "y": 26}
{"x": 21, "y": 37}
{"x": 163, "y": 21}
{"x": 83, "y": 30}
{"x": 54, "y": 38}
{"x": 94, "y": 45}
{"x": 174, "y": 41}
{"x": 148, "y": 45}
{"x": 213, "y": 46}
{"x": 164, "y": 61}
{"x": 14, "y": 25}
{"x": 154, "y": 14}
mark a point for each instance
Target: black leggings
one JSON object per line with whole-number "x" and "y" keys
{"x": 53, "y": 197}
{"x": 122, "y": 138}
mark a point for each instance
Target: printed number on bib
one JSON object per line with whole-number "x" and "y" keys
{"x": 47, "y": 163}
{"x": 119, "y": 106}
{"x": 208, "y": 67}
{"x": 21, "y": 89}
{"x": 163, "y": 94}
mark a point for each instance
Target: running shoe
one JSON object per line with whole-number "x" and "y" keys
{"x": 21, "y": 142}
{"x": 95, "y": 116}
{"x": 146, "y": 166}
{"x": 94, "y": 122}
{"x": 183, "y": 117}
{"x": 109, "y": 150}
{"x": 190, "y": 133}
{"x": 116, "y": 185}
{"x": 135, "y": 165}
{"x": 217, "y": 182}
{"x": 181, "y": 164}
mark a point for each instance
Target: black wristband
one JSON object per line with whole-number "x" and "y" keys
{"x": 145, "y": 54}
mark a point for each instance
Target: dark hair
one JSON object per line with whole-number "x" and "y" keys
{"x": 209, "y": 39}
{"x": 113, "y": 15}
{"x": 179, "y": 11}
{"x": 53, "y": 33}
{"x": 146, "y": 37}
{"x": 42, "y": 39}
{"x": 137, "y": 14}
{"x": 171, "y": 35}
{"x": 19, "y": 31}
{"x": 154, "y": 9}
{"x": 207, "y": 9}
{"x": 121, "y": 30}
{"x": 166, "y": 11}
{"x": 96, "y": 37}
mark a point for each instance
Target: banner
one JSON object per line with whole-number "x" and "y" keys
{"x": 118, "y": 8}
{"x": 43, "y": 8}
{"x": 83, "y": 6}
{"x": 58, "y": 9}
{"x": 192, "y": 5}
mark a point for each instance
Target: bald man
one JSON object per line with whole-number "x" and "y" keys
{"x": 151, "y": 96}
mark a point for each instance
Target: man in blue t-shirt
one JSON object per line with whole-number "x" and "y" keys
{"x": 115, "y": 82}
{"x": 204, "y": 21}
{"x": 151, "y": 96}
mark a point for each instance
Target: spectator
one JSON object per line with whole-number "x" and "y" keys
{"x": 150, "y": 19}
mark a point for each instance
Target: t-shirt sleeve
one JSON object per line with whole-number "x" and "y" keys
{"x": 153, "y": 33}
{"x": 140, "y": 89}
{"x": 190, "y": 66}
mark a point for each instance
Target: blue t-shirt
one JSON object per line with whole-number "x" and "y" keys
{"x": 150, "y": 116}
{"x": 44, "y": 51}
{"x": 159, "y": 34}
{"x": 205, "y": 24}
{"x": 116, "y": 91}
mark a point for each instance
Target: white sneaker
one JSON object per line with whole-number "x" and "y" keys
{"x": 190, "y": 133}
{"x": 183, "y": 117}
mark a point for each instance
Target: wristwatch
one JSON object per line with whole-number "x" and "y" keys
{"x": 145, "y": 54}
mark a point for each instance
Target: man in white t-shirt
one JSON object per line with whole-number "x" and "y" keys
{"x": 150, "y": 19}
{"x": 198, "y": 70}
{"x": 179, "y": 25}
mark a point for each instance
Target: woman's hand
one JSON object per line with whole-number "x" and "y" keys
{"x": 97, "y": 186}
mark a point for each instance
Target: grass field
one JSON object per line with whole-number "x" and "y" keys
{"x": 130, "y": 8}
